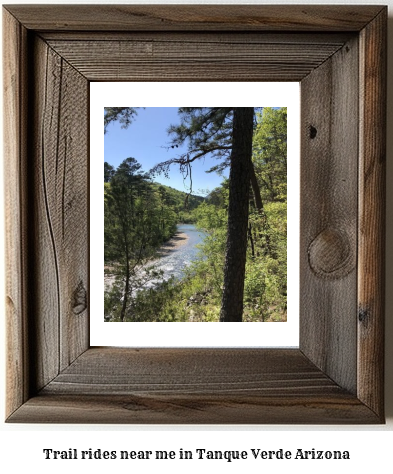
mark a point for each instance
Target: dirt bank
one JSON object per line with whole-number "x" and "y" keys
{"x": 178, "y": 240}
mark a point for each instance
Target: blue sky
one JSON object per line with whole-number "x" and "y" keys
{"x": 146, "y": 140}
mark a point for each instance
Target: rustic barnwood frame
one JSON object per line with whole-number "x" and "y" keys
{"x": 51, "y": 53}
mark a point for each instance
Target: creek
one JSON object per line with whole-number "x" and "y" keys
{"x": 173, "y": 257}
{"x": 177, "y": 254}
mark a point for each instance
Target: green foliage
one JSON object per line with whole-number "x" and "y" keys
{"x": 266, "y": 278}
{"x": 139, "y": 217}
{"x": 181, "y": 203}
{"x": 109, "y": 171}
{"x": 127, "y": 209}
{"x": 124, "y": 115}
{"x": 206, "y": 131}
{"x": 136, "y": 221}
{"x": 154, "y": 305}
{"x": 270, "y": 153}
{"x": 153, "y": 210}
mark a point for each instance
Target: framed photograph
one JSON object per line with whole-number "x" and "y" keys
{"x": 52, "y": 55}
{"x": 197, "y": 203}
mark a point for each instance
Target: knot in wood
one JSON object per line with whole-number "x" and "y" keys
{"x": 313, "y": 132}
{"x": 330, "y": 254}
{"x": 80, "y": 299}
{"x": 363, "y": 316}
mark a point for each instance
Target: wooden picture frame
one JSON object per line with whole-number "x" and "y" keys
{"x": 338, "y": 54}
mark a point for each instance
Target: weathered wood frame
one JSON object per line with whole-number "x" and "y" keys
{"x": 338, "y": 53}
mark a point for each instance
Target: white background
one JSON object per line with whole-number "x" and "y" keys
{"x": 160, "y": 94}
{"x": 370, "y": 446}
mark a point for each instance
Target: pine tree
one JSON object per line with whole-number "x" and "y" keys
{"x": 123, "y": 115}
{"x": 126, "y": 235}
{"x": 239, "y": 186}
{"x": 226, "y": 134}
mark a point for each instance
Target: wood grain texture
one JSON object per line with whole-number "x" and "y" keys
{"x": 194, "y": 409}
{"x": 193, "y": 386}
{"x": 15, "y": 104}
{"x": 371, "y": 261}
{"x": 195, "y": 17}
{"x": 329, "y": 170}
{"x": 205, "y": 371}
{"x": 201, "y": 37}
{"x": 185, "y": 59}
{"x": 59, "y": 179}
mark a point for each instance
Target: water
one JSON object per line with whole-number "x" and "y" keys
{"x": 175, "y": 259}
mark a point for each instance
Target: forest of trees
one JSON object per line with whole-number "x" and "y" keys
{"x": 240, "y": 274}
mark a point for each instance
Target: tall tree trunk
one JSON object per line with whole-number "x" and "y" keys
{"x": 239, "y": 187}
{"x": 251, "y": 240}
{"x": 127, "y": 273}
{"x": 126, "y": 291}
{"x": 256, "y": 191}
{"x": 259, "y": 206}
